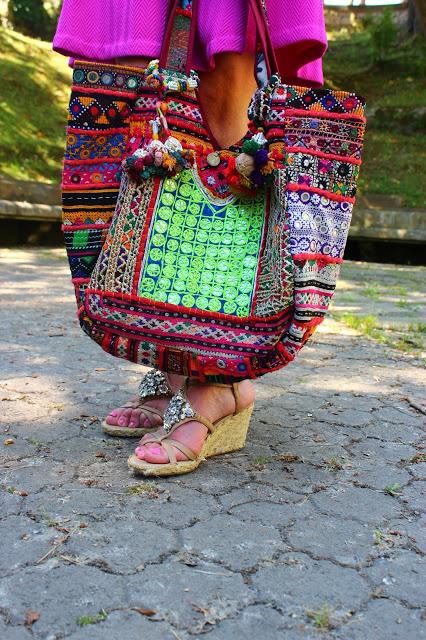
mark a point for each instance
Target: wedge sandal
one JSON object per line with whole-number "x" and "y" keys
{"x": 154, "y": 384}
{"x": 225, "y": 435}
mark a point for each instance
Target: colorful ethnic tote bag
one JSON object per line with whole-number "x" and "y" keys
{"x": 214, "y": 263}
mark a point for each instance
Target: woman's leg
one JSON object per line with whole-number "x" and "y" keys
{"x": 224, "y": 93}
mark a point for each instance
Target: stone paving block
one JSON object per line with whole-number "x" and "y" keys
{"x": 397, "y": 432}
{"x": 364, "y": 505}
{"x": 417, "y": 470}
{"x": 128, "y": 625}
{"x": 411, "y": 532}
{"x": 397, "y": 415}
{"x": 385, "y": 620}
{"x": 71, "y": 501}
{"x": 61, "y": 594}
{"x": 256, "y": 491}
{"x": 379, "y": 450}
{"x": 34, "y": 474}
{"x": 301, "y": 478}
{"x": 257, "y": 621}
{"x": 8, "y": 632}
{"x": 180, "y": 593}
{"x": 10, "y": 504}
{"x": 121, "y": 545}
{"x": 23, "y": 542}
{"x": 344, "y": 541}
{"x": 376, "y": 474}
{"x": 401, "y": 576}
{"x": 226, "y": 539}
{"x": 414, "y": 496}
{"x": 268, "y": 513}
{"x": 298, "y": 584}
{"x": 176, "y": 508}
{"x": 215, "y": 476}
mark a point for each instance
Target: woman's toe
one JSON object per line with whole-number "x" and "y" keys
{"x": 113, "y": 417}
{"x": 136, "y": 418}
{"x": 140, "y": 452}
{"x": 124, "y": 419}
{"x": 156, "y": 454}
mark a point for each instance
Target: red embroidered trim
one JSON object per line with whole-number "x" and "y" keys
{"x": 316, "y": 256}
{"x": 100, "y": 159}
{"x": 96, "y": 132}
{"x": 331, "y": 196}
{"x": 88, "y": 187}
{"x": 165, "y": 306}
{"x": 322, "y": 154}
{"x": 79, "y": 227}
{"x": 322, "y": 114}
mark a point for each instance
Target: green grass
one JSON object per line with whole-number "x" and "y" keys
{"x": 84, "y": 621}
{"x": 321, "y": 617}
{"x": 393, "y": 489}
{"x": 394, "y": 157}
{"x": 35, "y": 86}
{"x": 409, "y": 340}
{"x": 393, "y": 164}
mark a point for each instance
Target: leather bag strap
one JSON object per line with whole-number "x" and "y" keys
{"x": 178, "y": 40}
{"x": 262, "y": 28}
{"x": 179, "y": 36}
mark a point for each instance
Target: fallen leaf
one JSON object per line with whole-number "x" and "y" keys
{"x": 144, "y": 612}
{"x": 31, "y": 617}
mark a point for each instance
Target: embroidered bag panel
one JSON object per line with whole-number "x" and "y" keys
{"x": 218, "y": 264}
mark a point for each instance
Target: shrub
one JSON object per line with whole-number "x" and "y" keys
{"x": 31, "y": 18}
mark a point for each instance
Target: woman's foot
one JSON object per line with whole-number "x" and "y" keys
{"x": 210, "y": 401}
{"x": 134, "y": 416}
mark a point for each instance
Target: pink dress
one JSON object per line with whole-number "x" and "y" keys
{"x": 108, "y": 29}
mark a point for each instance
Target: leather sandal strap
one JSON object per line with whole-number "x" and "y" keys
{"x": 189, "y": 453}
{"x": 137, "y": 405}
{"x": 169, "y": 450}
{"x": 237, "y": 396}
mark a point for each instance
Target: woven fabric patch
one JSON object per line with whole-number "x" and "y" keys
{"x": 202, "y": 253}
{"x": 318, "y": 225}
{"x": 327, "y": 174}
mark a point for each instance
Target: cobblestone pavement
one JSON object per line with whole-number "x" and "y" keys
{"x": 315, "y": 530}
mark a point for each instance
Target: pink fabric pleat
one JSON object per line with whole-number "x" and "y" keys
{"x": 108, "y": 29}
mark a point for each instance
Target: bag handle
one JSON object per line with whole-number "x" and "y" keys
{"x": 262, "y": 28}
{"x": 179, "y": 36}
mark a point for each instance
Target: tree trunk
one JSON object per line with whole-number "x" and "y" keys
{"x": 417, "y": 16}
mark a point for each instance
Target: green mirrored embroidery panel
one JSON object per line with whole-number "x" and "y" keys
{"x": 202, "y": 254}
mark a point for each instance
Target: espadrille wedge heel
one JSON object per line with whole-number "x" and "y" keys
{"x": 226, "y": 435}
{"x": 153, "y": 385}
